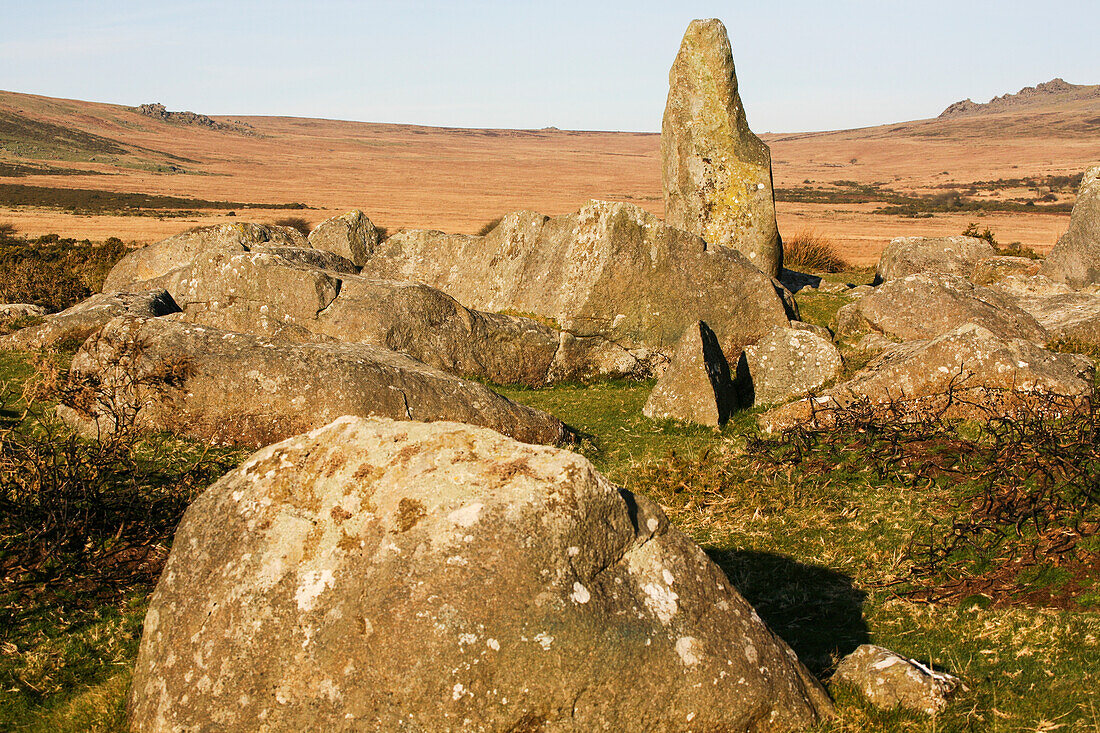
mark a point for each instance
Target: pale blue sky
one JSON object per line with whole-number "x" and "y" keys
{"x": 802, "y": 65}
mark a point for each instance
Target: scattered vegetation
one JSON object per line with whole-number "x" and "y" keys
{"x": 53, "y": 272}
{"x": 84, "y": 530}
{"x": 972, "y": 231}
{"x": 808, "y": 250}
{"x": 915, "y": 205}
{"x": 295, "y": 222}
{"x": 90, "y": 201}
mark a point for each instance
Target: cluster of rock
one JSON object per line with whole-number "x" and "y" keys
{"x": 158, "y": 111}
{"x": 965, "y": 333}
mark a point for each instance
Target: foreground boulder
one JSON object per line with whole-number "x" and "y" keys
{"x": 351, "y": 235}
{"x": 785, "y": 364}
{"x": 1075, "y": 259}
{"x": 931, "y": 255}
{"x": 925, "y": 306}
{"x": 152, "y": 264}
{"x": 612, "y": 271}
{"x": 77, "y": 323}
{"x": 696, "y": 386}
{"x": 890, "y": 680}
{"x": 716, "y": 174}
{"x": 225, "y": 387}
{"x": 967, "y": 373}
{"x": 376, "y": 575}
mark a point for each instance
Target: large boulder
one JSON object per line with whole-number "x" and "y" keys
{"x": 351, "y": 235}
{"x": 376, "y": 575}
{"x": 967, "y": 373}
{"x": 925, "y": 306}
{"x": 1075, "y": 259}
{"x": 226, "y": 387}
{"x": 932, "y": 256}
{"x": 696, "y": 386}
{"x": 612, "y": 270}
{"x": 716, "y": 174}
{"x": 73, "y": 325}
{"x": 785, "y": 364}
{"x": 149, "y": 265}
{"x": 266, "y": 295}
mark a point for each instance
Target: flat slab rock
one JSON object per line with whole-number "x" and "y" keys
{"x": 890, "y": 680}
{"x": 986, "y": 375}
{"x": 247, "y": 390}
{"x": 925, "y": 306}
{"x": 377, "y": 575}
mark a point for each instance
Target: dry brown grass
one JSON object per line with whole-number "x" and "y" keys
{"x": 809, "y": 250}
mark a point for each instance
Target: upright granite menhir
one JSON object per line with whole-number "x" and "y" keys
{"x": 717, "y": 174}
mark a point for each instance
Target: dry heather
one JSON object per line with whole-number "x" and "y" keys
{"x": 808, "y": 250}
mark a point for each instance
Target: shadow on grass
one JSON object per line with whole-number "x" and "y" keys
{"x": 817, "y": 611}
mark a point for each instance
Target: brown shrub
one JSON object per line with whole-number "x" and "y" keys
{"x": 811, "y": 251}
{"x": 295, "y": 222}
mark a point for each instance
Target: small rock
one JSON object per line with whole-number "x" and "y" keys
{"x": 890, "y": 680}
{"x": 351, "y": 235}
{"x": 785, "y": 364}
{"x": 87, "y": 317}
{"x": 13, "y": 311}
{"x": 696, "y": 386}
{"x": 932, "y": 256}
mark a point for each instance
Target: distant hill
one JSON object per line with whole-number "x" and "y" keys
{"x": 1055, "y": 91}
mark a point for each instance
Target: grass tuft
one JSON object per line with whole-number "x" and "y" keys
{"x": 808, "y": 250}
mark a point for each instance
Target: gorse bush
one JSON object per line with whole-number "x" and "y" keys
{"x": 811, "y": 251}
{"x": 54, "y": 272}
{"x": 972, "y": 231}
{"x": 73, "y": 506}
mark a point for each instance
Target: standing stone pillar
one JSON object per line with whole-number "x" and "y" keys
{"x": 716, "y": 174}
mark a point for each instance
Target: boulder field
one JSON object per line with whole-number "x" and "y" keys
{"x": 378, "y": 575}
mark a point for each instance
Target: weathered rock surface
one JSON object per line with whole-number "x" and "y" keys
{"x": 351, "y": 235}
{"x": 14, "y": 311}
{"x": 1070, "y": 317}
{"x": 969, "y": 373}
{"x": 925, "y": 306}
{"x": 612, "y": 270}
{"x": 990, "y": 270}
{"x": 266, "y": 295}
{"x": 716, "y": 174}
{"x": 1075, "y": 259}
{"x": 785, "y": 364}
{"x": 931, "y": 256}
{"x": 696, "y": 386}
{"x": 243, "y": 389}
{"x": 169, "y": 255}
{"x": 890, "y": 680}
{"x": 85, "y": 318}
{"x": 376, "y": 575}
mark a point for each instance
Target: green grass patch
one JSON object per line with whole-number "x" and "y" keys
{"x": 820, "y": 308}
